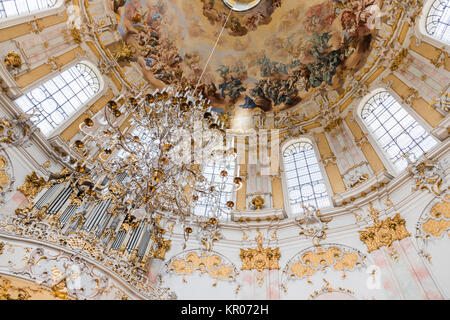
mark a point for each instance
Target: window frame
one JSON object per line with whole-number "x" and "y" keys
{"x": 287, "y": 202}
{"x": 426, "y": 23}
{"x": 20, "y": 19}
{"x": 388, "y": 164}
{"x": 421, "y": 32}
{"x": 67, "y": 122}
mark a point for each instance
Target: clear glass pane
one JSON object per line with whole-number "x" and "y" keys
{"x": 304, "y": 179}
{"x": 58, "y": 98}
{"x": 438, "y": 21}
{"x": 13, "y": 8}
{"x": 398, "y": 134}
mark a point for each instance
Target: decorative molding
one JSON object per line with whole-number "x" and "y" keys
{"x": 267, "y": 214}
{"x": 68, "y": 273}
{"x": 356, "y": 175}
{"x": 313, "y": 260}
{"x": 260, "y": 259}
{"x": 428, "y": 175}
{"x": 434, "y": 223}
{"x": 361, "y": 190}
{"x": 32, "y": 185}
{"x": 16, "y": 131}
{"x": 212, "y": 263}
{"x": 383, "y": 233}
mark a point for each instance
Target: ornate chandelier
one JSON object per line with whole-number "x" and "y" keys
{"x": 155, "y": 166}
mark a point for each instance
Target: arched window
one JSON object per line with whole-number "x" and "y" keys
{"x": 206, "y": 205}
{"x": 396, "y": 131}
{"x": 305, "y": 184}
{"x": 14, "y": 8}
{"x": 58, "y": 98}
{"x": 438, "y": 21}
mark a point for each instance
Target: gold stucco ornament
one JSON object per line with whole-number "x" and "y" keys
{"x": 438, "y": 221}
{"x": 260, "y": 259}
{"x": 383, "y": 233}
{"x": 32, "y": 185}
{"x": 258, "y": 202}
{"x": 13, "y": 60}
{"x": 433, "y": 224}
{"x": 315, "y": 259}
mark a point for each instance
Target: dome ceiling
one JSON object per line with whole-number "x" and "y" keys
{"x": 271, "y": 56}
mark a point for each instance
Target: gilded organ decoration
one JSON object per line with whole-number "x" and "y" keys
{"x": 313, "y": 224}
{"x": 202, "y": 262}
{"x": 260, "y": 259}
{"x": 162, "y": 246}
{"x": 311, "y": 46}
{"x": 86, "y": 243}
{"x": 13, "y": 61}
{"x": 32, "y": 185}
{"x": 383, "y": 233}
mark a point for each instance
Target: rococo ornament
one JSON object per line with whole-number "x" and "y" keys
{"x": 202, "y": 262}
{"x": 383, "y": 233}
{"x": 427, "y": 173}
{"x": 320, "y": 259}
{"x": 313, "y": 224}
{"x": 258, "y": 202}
{"x": 13, "y": 60}
{"x": 32, "y": 185}
{"x": 434, "y": 224}
{"x": 16, "y": 131}
{"x": 260, "y": 259}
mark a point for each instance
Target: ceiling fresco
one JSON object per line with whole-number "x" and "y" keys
{"x": 270, "y": 57}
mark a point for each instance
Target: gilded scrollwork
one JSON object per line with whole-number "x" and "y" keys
{"x": 202, "y": 262}
{"x": 383, "y": 233}
{"x": 258, "y": 202}
{"x": 434, "y": 223}
{"x": 6, "y": 175}
{"x": 260, "y": 259}
{"x": 428, "y": 175}
{"x": 327, "y": 288}
{"x": 86, "y": 244}
{"x": 399, "y": 59}
{"x": 13, "y": 61}
{"x": 314, "y": 259}
{"x": 313, "y": 224}
{"x": 12, "y": 288}
{"x": 15, "y": 131}
{"x": 32, "y": 185}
